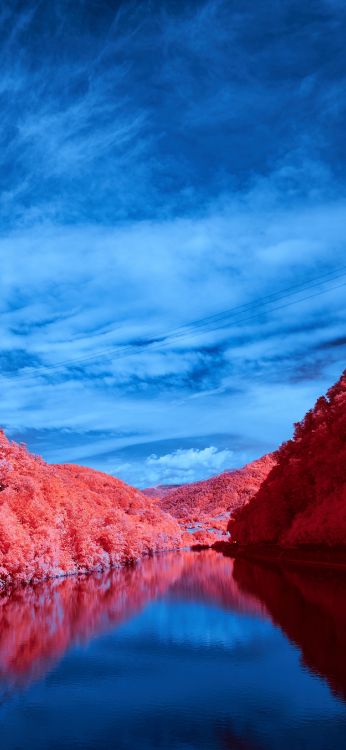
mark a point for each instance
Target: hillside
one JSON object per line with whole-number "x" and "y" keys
{"x": 303, "y": 500}
{"x": 57, "y": 520}
{"x": 203, "y": 507}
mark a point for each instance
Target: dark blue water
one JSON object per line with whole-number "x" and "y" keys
{"x": 185, "y": 651}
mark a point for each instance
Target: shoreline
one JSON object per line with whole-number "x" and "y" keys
{"x": 310, "y": 556}
{"x": 313, "y": 557}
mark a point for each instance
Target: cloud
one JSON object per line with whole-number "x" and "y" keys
{"x": 89, "y": 311}
{"x": 161, "y": 206}
{"x": 71, "y": 130}
{"x": 186, "y": 465}
{"x": 120, "y": 113}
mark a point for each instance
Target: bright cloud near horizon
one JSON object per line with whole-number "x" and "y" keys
{"x": 173, "y": 233}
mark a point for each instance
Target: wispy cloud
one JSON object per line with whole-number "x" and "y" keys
{"x": 120, "y": 112}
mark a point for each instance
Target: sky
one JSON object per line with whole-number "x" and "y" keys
{"x": 172, "y": 228}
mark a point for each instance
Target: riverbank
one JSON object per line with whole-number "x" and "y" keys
{"x": 312, "y": 556}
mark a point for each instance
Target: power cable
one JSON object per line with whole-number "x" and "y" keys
{"x": 229, "y": 317}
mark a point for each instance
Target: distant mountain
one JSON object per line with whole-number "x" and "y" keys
{"x": 160, "y": 490}
{"x": 56, "y": 520}
{"x": 204, "y": 507}
{"x": 303, "y": 499}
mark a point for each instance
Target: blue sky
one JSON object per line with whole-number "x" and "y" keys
{"x": 164, "y": 163}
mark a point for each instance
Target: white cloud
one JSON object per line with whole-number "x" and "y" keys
{"x": 186, "y": 465}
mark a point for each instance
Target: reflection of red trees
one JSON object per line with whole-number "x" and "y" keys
{"x": 310, "y": 607}
{"x": 56, "y": 520}
{"x": 207, "y": 576}
{"x": 303, "y": 500}
{"x": 207, "y": 504}
{"x": 38, "y": 624}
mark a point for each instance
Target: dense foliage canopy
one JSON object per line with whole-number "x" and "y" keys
{"x": 57, "y": 520}
{"x": 303, "y": 499}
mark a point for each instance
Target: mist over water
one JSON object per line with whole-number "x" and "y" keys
{"x": 184, "y": 650}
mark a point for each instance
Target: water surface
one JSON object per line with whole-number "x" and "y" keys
{"x": 184, "y": 651}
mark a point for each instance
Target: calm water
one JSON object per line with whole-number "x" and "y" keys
{"x": 185, "y": 651}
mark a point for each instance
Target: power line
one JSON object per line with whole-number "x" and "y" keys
{"x": 296, "y": 289}
{"x": 229, "y": 317}
{"x": 181, "y": 332}
{"x": 225, "y": 318}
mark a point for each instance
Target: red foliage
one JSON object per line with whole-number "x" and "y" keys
{"x": 58, "y": 520}
{"x": 303, "y": 500}
{"x": 202, "y": 538}
{"x": 160, "y": 491}
{"x": 205, "y": 506}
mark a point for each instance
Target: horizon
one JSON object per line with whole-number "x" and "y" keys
{"x": 172, "y": 230}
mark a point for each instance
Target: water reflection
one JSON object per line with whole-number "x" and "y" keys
{"x": 309, "y": 604}
{"x": 182, "y": 651}
{"x": 39, "y": 624}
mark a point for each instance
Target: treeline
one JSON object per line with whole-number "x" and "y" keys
{"x": 303, "y": 499}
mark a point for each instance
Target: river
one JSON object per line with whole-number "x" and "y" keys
{"x": 185, "y": 651}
